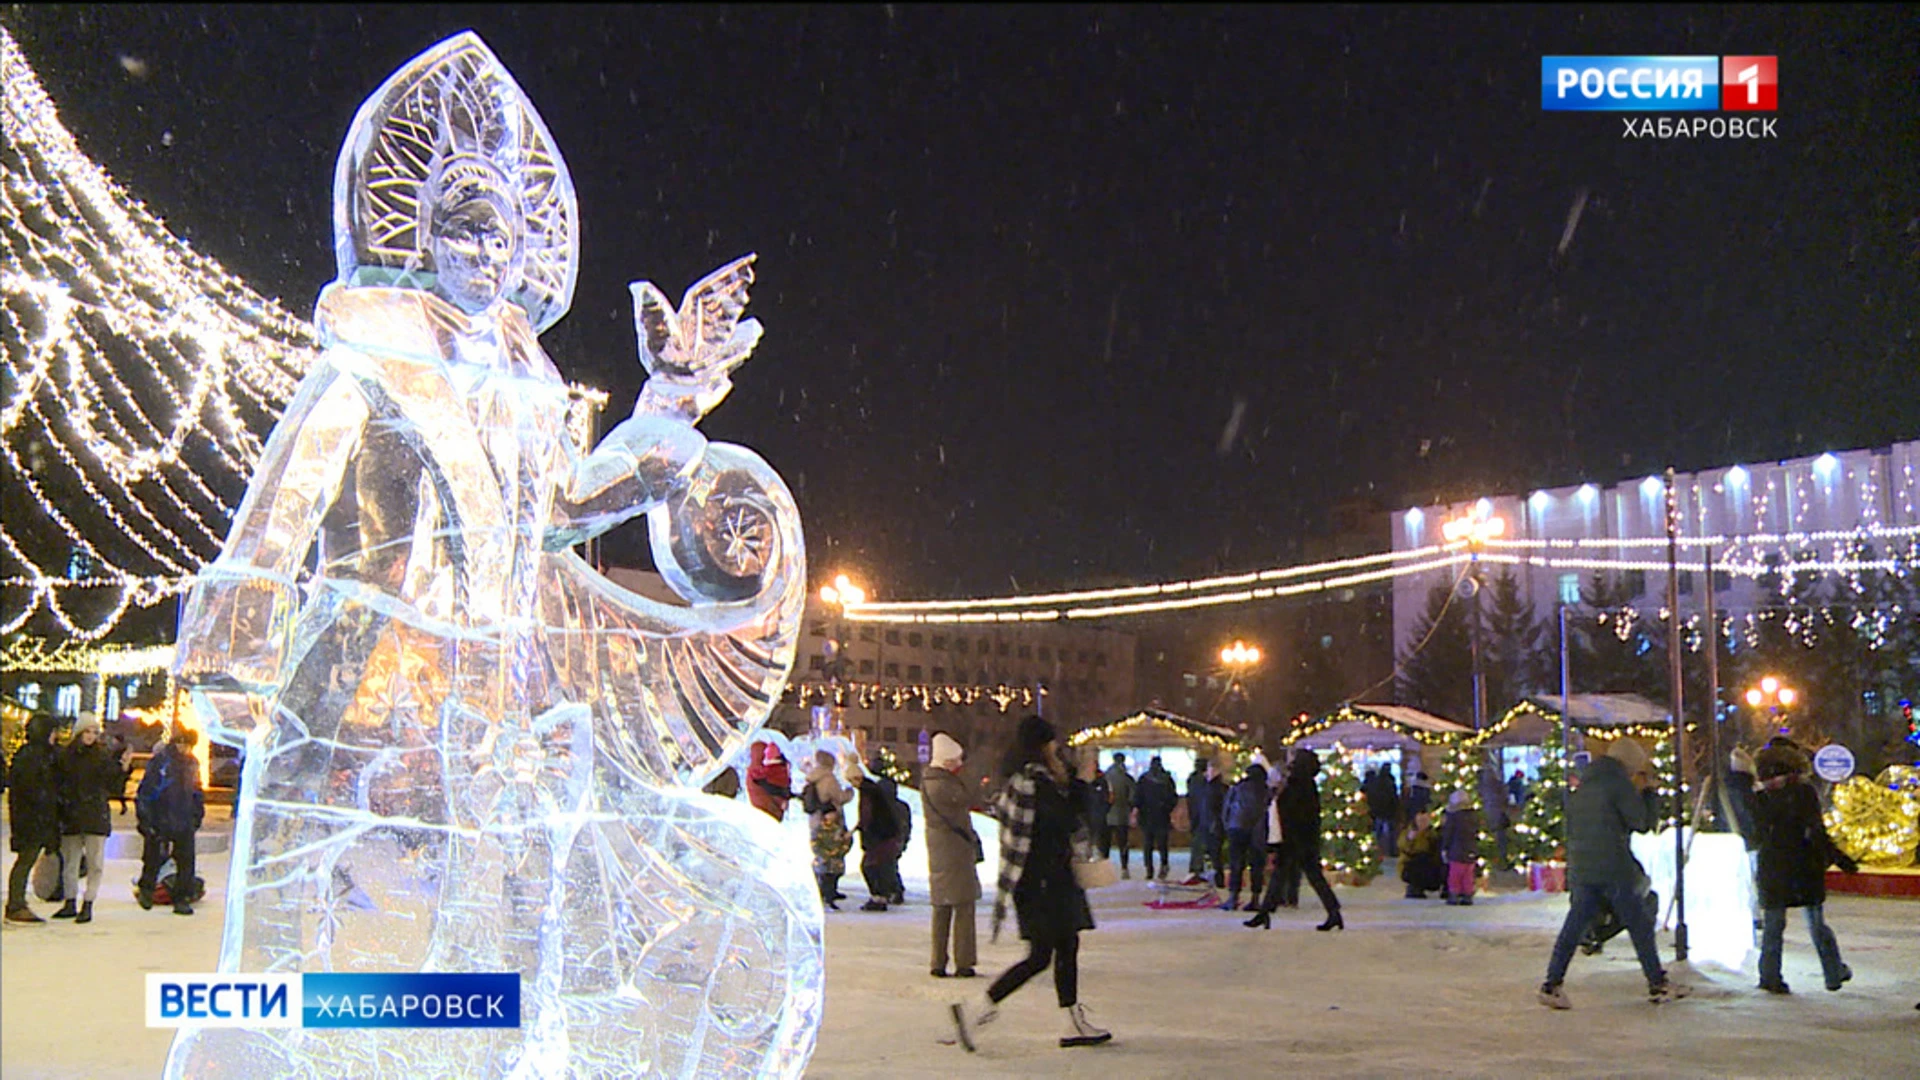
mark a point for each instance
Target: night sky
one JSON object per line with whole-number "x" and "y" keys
{"x": 1021, "y": 268}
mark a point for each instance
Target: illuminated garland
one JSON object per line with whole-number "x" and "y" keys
{"x": 1351, "y": 714}
{"x": 1539, "y": 835}
{"x": 143, "y": 379}
{"x": 30, "y": 655}
{"x": 891, "y": 768}
{"x": 1120, "y": 727}
{"x": 922, "y": 696}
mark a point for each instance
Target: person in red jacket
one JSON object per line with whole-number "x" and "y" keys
{"x": 769, "y": 781}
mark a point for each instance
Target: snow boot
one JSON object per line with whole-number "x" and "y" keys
{"x": 1126, "y": 874}
{"x": 1846, "y": 974}
{"x": 1661, "y": 993}
{"x": 86, "y": 912}
{"x": 23, "y": 914}
{"x": 1553, "y": 997}
{"x": 67, "y": 911}
{"x": 182, "y": 907}
{"x": 1080, "y": 1032}
{"x": 1778, "y": 986}
{"x": 1334, "y": 922}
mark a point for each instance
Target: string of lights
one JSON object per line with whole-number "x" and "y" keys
{"x": 896, "y": 696}
{"x": 142, "y": 378}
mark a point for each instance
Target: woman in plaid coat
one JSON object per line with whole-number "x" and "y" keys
{"x": 1040, "y": 831}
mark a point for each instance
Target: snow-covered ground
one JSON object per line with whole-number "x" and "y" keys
{"x": 1408, "y": 989}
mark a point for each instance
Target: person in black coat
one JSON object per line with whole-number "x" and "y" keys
{"x": 1795, "y": 852}
{"x": 880, "y": 838}
{"x": 1206, "y": 795}
{"x": 1154, "y": 797}
{"x": 1040, "y": 828}
{"x": 1300, "y": 843}
{"x": 33, "y": 809}
{"x": 170, "y": 807}
{"x": 89, "y": 775}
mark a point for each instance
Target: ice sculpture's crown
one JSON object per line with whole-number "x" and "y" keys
{"x": 453, "y": 120}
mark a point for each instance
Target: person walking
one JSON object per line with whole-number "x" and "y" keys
{"x": 1460, "y": 846}
{"x": 769, "y": 780}
{"x": 953, "y": 857}
{"x": 1154, "y": 798}
{"x": 1795, "y": 851}
{"x": 822, "y": 799}
{"x": 33, "y": 811}
{"x": 1038, "y": 838}
{"x": 1613, "y": 800}
{"x": 1299, "y": 813}
{"x": 1119, "y": 810}
{"x": 1246, "y": 821}
{"x": 880, "y": 836}
{"x": 89, "y": 775}
{"x": 1204, "y": 799}
{"x": 170, "y": 808}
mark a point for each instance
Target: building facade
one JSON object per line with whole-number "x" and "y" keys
{"x": 1751, "y": 507}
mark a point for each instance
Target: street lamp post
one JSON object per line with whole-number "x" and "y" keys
{"x": 840, "y": 595}
{"x": 1775, "y": 697}
{"x": 1237, "y": 658}
{"x": 1476, "y": 529}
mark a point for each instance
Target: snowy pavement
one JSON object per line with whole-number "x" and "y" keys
{"x": 1408, "y": 989}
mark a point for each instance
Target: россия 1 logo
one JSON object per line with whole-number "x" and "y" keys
{"x": 1662, "y": 84}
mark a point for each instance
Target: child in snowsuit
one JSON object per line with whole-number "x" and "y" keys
{"x": 1460, "y": 844}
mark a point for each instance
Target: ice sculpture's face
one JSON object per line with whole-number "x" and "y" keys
{"x": 476, "y": 248}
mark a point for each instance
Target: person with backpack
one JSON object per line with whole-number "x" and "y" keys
{"x": 170, "y": 808}
{"x": 953, "y": 853}
{"x": 1246, "y": 820}
{"x": 33, "y": 808}
{"x": 89, "y": 774}
{"x": 881, "y": 837}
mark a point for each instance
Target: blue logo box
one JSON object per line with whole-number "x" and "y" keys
{"x": 1629, "y": 83}
{"x": 440, "y": 1000}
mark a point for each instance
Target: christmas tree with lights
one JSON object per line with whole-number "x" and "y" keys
{"x": 1346, "y": 827}
{"x": 141, "y": 379}
{"x": 1541, "y": 831}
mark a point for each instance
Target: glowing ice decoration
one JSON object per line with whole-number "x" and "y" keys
{"x": 467, "y": 751}
{"x": 1720, "y": 893}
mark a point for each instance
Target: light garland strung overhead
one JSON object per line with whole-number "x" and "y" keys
{"x": 142, "y": 377}
{"x": 896, "y": 696}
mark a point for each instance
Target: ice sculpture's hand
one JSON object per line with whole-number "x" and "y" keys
{"x": 689, "y": 353}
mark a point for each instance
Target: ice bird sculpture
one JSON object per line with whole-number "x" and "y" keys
{"x": 466, "y": 749}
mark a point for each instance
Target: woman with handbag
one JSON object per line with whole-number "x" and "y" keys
{"x": 1039, "y": 834}
{"x": 953, "y": 851}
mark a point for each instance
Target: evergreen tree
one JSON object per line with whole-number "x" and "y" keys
{"x": 1540, "y": 834}
{"x": 1514, "y": 663}
{"x": 1616, "y": 650}
{"x": 1317, "y": 684}
{"x": 1436, "y": 671}
{"x": 1346, "y": 828}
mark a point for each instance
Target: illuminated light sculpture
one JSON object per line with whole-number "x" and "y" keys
{"x": 467, "y": 751}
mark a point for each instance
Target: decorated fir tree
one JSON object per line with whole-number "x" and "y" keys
{"x": 1461, "y": 769}
{"x": 1540, "y": 833}
{"x": 1346, "y": 828}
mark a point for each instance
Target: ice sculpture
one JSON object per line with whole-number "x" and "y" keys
{"x": 467, "y": 751}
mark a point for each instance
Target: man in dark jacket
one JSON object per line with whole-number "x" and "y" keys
{"x": 1119, "y": 810}
{"x": 1383, "y": 806}
{"x": 1205, "y": 794}
{"x": 33, "y": 808}
{"x": 1154, "y": 796}
{"x": 1795, "y": 852}
{"x": 170, "y": 808}
{"x": 1246, "y": 821}
{"x": 1613, "y": 801}
{"x": 1300, "y": 843}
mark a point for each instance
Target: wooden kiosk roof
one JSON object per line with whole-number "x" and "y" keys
{"x": 1374, "y": 727}
{"x": 1604, "y": 715}
{"x": 1156, "y": 727}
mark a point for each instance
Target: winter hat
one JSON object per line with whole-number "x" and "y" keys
{"x": 88, "y": 721}
{"x": 946, "y": 752}
{"x": 1778, "y": 761}
{"x": 771, "y": 755}
{"x": 1741, "y": 760}
{"x": 1630, "y": 753}
{"x": 1033, "y": 734}
{"x": 1457, "y": 801}
{"x": 1306, "y": 764}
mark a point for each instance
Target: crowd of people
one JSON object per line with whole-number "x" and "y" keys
{"x": 59, "y": 807}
